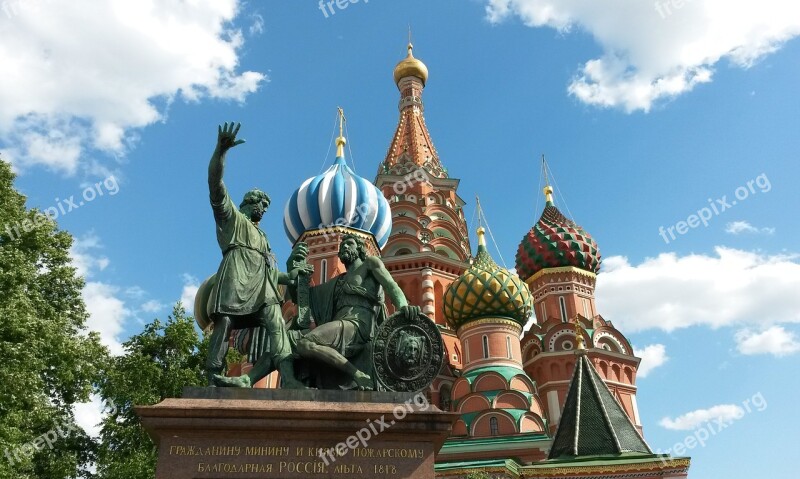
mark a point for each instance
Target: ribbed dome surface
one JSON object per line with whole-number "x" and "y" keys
{"x": 486, "y": 290}
{"x": 338, "y": 197}
{"x": 554, "y": 242}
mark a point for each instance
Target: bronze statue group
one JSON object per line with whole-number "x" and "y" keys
{"x": 246, "y": 293}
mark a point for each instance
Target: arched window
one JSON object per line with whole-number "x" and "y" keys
{"x": 563, "y": 305}
{"x": 494, "y": 430}
{"x": 323, "y": 271}
{"x": 485, "y": 347}
{"x": 508, "y": 346}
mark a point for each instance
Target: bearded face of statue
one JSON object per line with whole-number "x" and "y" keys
{"x": 254, "y": 205}
{"x": 348, "y": 252}
{"x": 255, "y": 211}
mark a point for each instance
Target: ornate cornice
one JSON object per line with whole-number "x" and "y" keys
{"x": 560, "y": 270}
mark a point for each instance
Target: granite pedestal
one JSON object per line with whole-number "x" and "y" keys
{"x": 225, "y": 433}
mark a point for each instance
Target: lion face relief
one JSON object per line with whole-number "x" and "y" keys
{"x": 409, "y": 349}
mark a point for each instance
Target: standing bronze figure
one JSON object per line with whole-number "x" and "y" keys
{"x": 246, "y": 293}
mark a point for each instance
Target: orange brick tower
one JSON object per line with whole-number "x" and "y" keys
{"x": 428, "y": 246}
{"x": 560, "y": 261}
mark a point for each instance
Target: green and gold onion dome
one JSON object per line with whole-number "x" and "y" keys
{"x": 410, "y": 67}
{"x": 486, "y": 290}
{"x": 554, "y": 242}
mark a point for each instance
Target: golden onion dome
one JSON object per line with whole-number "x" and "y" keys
{"x": 486, "y": 290}
{"x": 410, "y": 67}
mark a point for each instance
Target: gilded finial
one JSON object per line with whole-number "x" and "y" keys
{"x": 340, "y": 142}
{"x": 481, "y": 231}
{"x": 410, "y": 66}
{"x": 579, "y": 335}
{"x": 548, "y": 190}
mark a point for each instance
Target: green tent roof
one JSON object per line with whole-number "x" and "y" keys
{"x": 593, "y": 422}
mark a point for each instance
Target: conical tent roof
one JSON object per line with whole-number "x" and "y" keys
{"x": 593, "y": 422}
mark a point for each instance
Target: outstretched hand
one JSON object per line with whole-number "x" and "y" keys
{"x": 411, "y": 311}
{"x": 226, "y": 137}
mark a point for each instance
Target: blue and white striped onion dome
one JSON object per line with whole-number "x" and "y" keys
{"x": 338, "y": 197}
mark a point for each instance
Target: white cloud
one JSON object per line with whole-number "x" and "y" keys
{"x": 135, "y": 292}
{"x": 738, "y": 227}
{"x": 88, "y": 415}
{"x": 107, "y": 313}
{"x": 691, "y": 420}
{"x": 774, "y": 340}
{"x": 652, "y": 356}
{"x": 190, "y": 287}
{"x": 653, "y": 51}
{"x": 257, "y": 27}
{"x": 84, "y": 75}
{"x": 730, "y": 287}
{"x": 84, "y": 261}
{"x": 152, "y": 306}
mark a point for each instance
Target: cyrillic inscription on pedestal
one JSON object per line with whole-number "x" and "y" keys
{"x": 197, "y": 458}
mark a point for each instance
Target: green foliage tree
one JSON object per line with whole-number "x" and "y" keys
{"x": 157, "y": 364}
{"x": 49, "y": 360}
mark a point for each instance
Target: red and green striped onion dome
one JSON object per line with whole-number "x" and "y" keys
{"x": 486, "y": 290}
{"x": 555, "y": 242}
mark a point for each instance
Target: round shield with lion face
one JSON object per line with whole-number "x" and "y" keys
{"x": 407, "y": 354}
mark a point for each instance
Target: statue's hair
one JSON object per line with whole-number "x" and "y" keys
{"x": 360, "y": 245}
{"x": 254, "y": 197}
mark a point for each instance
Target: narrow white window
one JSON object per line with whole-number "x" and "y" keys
{"x": 508, "y": 346}
{"x": 323, "y": 271}
{"x": 485, "y": 347}
{"x": 586, "y": 308}
{"x": 544, "y": 312}
{"x": 563, "y": 305}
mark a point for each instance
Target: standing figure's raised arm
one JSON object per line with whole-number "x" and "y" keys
{"x": 226, "y": 139}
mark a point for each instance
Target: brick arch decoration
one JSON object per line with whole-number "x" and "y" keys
{"x": 505, "y": 422}
{"x": 531, "y": 423}
{"x": 522, "y": 382}
{"x": 459, "y": 428}
{"x": 461, "y": 388}
{"x": 474, "y": 403}
{"x": 510, "y": 400}
{"x": 553, "y": 336}
{"x": 489, "y": 381}
{"x": 605, "y": 337}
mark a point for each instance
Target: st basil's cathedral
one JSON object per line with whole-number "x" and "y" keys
{"x": 557, "y": 400}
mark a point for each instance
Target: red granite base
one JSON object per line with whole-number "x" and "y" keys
{"x": 288, "y": 439}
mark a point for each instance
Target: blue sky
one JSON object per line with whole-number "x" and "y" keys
{"x": 646, "y": 118}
